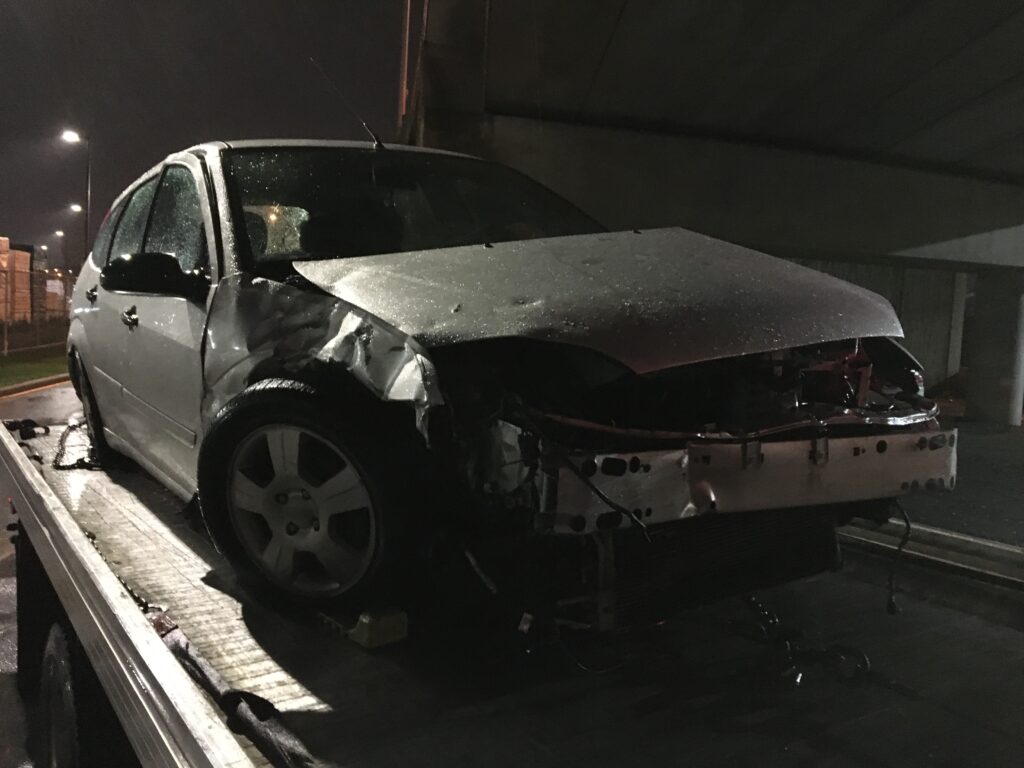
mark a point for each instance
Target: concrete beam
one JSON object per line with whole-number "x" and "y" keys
{"x": 995, "y": 390}
{"x": 956, "y": 324}
{"x": 1002, "y": 246}
{"x": 454, "y": 58}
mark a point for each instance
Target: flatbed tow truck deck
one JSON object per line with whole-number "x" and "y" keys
{"x": 943, "y": 684}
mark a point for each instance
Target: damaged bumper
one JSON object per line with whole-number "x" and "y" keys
{"x": 722, "y": 477}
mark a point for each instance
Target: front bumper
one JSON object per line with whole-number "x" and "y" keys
{"x": 722, "y": 477}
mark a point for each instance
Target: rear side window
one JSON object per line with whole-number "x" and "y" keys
{"x": 131, "y": 228}
{"x": 101, "y": 247}
{"x": 176, "y": 226}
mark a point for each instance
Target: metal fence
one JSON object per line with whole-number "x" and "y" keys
{"x": 34, "y": 308}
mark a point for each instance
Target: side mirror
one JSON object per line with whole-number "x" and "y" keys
{"x": 157, "y": 273}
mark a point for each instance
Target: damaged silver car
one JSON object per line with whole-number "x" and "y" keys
{"x": 352, "y": 351}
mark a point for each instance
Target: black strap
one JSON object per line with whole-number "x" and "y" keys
{"x": 231, "y": 699}
{"x": 26, "y": 428}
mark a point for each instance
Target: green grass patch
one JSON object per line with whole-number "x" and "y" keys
{"x": 18, "y": 367}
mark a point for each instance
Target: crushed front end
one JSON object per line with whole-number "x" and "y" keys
{"x": 694, "y": 482}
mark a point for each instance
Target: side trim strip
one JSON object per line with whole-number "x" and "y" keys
{"x": 182, "y": 434}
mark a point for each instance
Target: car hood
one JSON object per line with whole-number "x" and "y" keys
{"x": 650, "y": 300}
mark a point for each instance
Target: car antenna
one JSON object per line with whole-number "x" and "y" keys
{"x": 377, "y": 143}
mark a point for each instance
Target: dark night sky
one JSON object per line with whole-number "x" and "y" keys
{"x": 145, "y": 78}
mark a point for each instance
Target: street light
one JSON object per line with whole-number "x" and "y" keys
{"x": 70, "y": 136}
{"x": 44, "y": 247}
{"x": 59, "y": 233}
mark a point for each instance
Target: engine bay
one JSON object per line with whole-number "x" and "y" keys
{"x": 575, "y": 443}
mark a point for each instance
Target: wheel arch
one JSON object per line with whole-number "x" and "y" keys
{"x": 381, "y": 432}
{"x": 266, "y": 328}
{"x": 74, "y": 370}
{"x": 74, "y": 346}
{"x": 343, "y": 394}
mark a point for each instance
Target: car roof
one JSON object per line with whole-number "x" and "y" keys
{"x": 208, "y": 147}
{"x": 216, "y": 146}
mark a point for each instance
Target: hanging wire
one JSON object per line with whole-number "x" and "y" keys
{"x": 892, "y": 608}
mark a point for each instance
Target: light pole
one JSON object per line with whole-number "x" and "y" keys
{"x": 74, "y": 137}
{"x": 59, "y": 234}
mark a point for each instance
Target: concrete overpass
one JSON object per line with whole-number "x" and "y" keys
{"x": 881, "y": 141}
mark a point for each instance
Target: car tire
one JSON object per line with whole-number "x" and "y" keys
{"x": 57, "y": 719}
{"x": 102, "y": 452}
{"x": 268, "y": 467}
{"x": 74, "y": 725}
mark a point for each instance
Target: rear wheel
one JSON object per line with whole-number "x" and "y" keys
{"x": 90, "y": 411}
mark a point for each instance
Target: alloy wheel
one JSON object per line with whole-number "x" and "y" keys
{"x": 302, "y": 510}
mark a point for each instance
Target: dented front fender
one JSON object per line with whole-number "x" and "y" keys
{"x": 257, "y": 324}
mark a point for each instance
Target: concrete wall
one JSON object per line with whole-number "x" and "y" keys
{"x": 768, "y": 197}
{"x": 930, "y": 303}
{"x": 626, "y": 111}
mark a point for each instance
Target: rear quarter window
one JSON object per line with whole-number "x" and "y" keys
{"x": 101, "y": 246}
{"x": 132, "y": 226}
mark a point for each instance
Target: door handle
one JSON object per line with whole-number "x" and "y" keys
{"x": 91, "y": 295}
{"x": 130, "y": 317}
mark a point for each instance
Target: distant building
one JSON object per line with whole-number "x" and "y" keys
{"x": 39, "y": 260}
{"x": 43, "y": 304}
{"x": 15, "y": 283}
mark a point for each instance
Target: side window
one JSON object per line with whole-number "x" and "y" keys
{"x": 128, "y": 238}
{"x": 101, "y": 247}
{"x": 176, "y": 226}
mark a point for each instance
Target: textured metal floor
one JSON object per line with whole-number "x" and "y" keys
{"x": 140, "y": 529}
{"x": 945, "y": 688}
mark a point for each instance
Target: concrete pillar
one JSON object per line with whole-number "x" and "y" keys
{"x": 995, "y": 390}
{"x": 956, "y": 324}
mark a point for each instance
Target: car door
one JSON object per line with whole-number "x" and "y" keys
{"x": 163, "y": 387}
{"x": 83, "y": 329}
{"x": 106, "y": 356}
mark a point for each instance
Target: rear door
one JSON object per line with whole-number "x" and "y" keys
{"x": 164, "y": 386}
{"x": 106, "y": 359}
{"x": 85, "y": 309}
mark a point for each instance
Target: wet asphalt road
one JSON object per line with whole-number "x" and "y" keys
{"x": 52, "y": 405}
{"x": 12, "y": 721}
{"x": 12, "y": 718}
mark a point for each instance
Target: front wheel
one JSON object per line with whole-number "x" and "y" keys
{"x": 304, "y": 498}
{"x": 302, "y": 509}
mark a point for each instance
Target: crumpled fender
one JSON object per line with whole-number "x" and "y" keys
{"x": 254, "y": 320}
